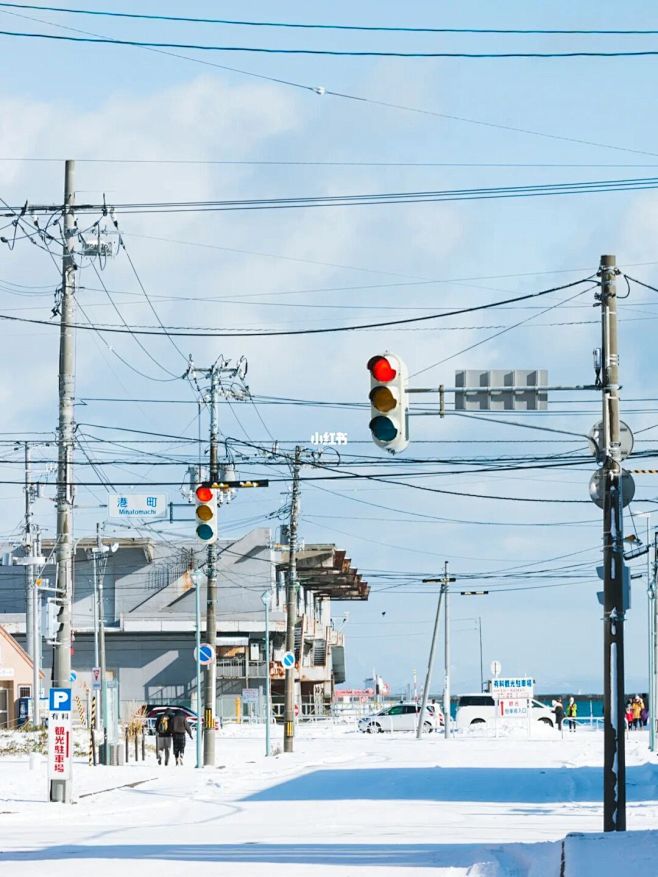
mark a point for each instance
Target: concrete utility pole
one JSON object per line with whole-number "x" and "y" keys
{"x": 614, "y": 764}
{"x": 29, "y": 569}
{"x": 291, "y": 607}
{"x": 210, "y": 670}
{"x": 99, "y": 575}
{"x": 444, "y": 582}
{"x": 446, "y": 657}
{"x": 430, "y": 661}
{"x": 60, "y": 790}
{"x": 653, "y": 692}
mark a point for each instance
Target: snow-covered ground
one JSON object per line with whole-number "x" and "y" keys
{"x": 342, "y": 804}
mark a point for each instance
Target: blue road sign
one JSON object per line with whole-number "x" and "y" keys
{"x": 60, "y": 700}
{"x": 206, "y": 654}
{"x": 73, "y": 676}
{"x": 288, "y": 660}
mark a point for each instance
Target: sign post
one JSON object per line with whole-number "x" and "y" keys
{"x": 60, "y": 742}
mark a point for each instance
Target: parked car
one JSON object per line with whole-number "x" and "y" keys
{"x": 154, "y": 712}
{"x": 480, "y": 709}
{"x": 401, "y": 717}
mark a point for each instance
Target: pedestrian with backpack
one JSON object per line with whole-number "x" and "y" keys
{"x": 180, "y": 727}
{"x": 163, "y": 729}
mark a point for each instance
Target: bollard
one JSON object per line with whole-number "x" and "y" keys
{"x": 143, "y": 746}
{"x": 136, "y": 748}
{"x": 127, "y": 747}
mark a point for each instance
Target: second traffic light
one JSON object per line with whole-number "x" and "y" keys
{"x": 388, "y": 402}
{"x": 206, "y": 514}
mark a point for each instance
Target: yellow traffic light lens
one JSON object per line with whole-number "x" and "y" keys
{"x": 383, "y": 399}
{"x": 204, "y": 513}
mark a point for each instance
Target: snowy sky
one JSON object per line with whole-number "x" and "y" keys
{"x": 339, "y": 266}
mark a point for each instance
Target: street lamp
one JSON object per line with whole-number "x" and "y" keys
{"x": 266, "y": 597}
{"x": 198, "y": 578}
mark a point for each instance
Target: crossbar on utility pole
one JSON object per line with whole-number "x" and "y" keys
{"x": 291, "y": 607}
{"x": 60, "y": 790}
{"x": 614, "y": 765}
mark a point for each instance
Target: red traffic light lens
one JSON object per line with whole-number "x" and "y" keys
{"x": 204, "y": 494}
{"x": 381, "y": 368}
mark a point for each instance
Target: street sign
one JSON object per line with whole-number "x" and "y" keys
{"x": 595, "y": 440}
{"x": 495, "y": 668}
{"x": 501, "y": 389}
{"x": 60, "y": 700}
{"x": 136, "y": 505}
{"x": 597, "y": 487}
{"x": 513, "y": 688}
{"x": 250, "y": 695}
{"x": 60, "y": 744}
{"x": 206, "y": 654}
{"x": 96, "y": 678}
{"x": 288, "y": 660}
{"x": 73, "y": 677}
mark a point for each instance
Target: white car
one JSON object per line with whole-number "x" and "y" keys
{"x": 401, "y": 717}
{"x": 480, "y": 709}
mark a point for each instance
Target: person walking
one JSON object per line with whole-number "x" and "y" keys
{"x": 572, "y": 712}
{"x": 163, "y": 731}
{"x": 558, "y": 709}
{"x": 180, "y": 727}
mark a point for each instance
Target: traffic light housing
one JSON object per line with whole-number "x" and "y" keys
{"x": 206, "y": 514}
{"x": 388, "y": 402}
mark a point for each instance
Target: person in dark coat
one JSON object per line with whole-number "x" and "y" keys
{"x": 163, "y": 729}
{"x": 558, "y": 709}
{"x": 180, "y": 727}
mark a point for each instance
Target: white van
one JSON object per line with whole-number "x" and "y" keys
{"x": 480, "y": 709}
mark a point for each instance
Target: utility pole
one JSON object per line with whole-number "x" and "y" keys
{"x": 291, "y": 607}
{"x": 29, "y": 569}
{"x": 444, "y": 582}
{"x": 210, "y": 670}
{"x": 614, "y": 763}
{"x": 235, "y": 390}
{"x": 35, "y": 622}
{"x": 653, "y": 693}
{"x": 446, "y": 677}
{"x": 99, "y": 575}
{"x": 430, "y": 661}
{"x": 60, "y": 790}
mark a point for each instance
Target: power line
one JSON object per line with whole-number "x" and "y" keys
{"x": 340, "y": 27}
{"x": 321, "y": 90}
{"x": 340, "y": 53}
{"x": 287, "y": 332}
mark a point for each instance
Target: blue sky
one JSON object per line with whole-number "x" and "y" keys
{"x": 338, "y": 266}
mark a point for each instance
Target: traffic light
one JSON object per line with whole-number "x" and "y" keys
{"x": 388, "y": 402}
{"x": 206, "y": 514}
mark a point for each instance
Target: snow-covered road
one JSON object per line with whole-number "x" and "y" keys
{"x": 341, "y": 804}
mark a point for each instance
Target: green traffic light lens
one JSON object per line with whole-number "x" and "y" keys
{"x": 383, "y": 429}
{"x": 204, "y": 531}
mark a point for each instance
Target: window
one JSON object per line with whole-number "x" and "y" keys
{"x": 476, "y": 700}
{"x": 24, "y": 690}
{"x": 396, "y": 711}
{"x": 410, "y": 708}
